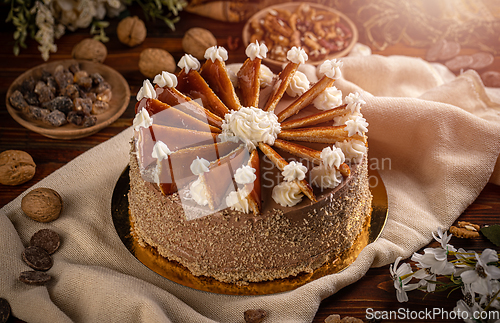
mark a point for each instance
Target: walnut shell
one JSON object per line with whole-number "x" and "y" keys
{"x": 91, "y": 50}
{"x": 42, "y": 204}
{"x": 131, "y": 31}
{"x": 16, "y": 167}
{"x": 197, "y": 40}
{"x": 153, "y": 61}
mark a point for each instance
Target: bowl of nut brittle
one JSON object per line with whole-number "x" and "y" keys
{"x": 323, "y": 32}
{"x": 68, "y": 99}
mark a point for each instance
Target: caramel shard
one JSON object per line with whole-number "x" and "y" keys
{"x": 176, "y": 99}
{"x": 249, "y": 82}
{"x": 174, "y": 138}
{"x": 215, "y": 74}
{"x": 315, "y": 118}
{"x": 219, "y": 179}
{"x": 196, "y": 87}
{"x": 325, "y": 135}
{"x": 279, "y": 88}
{"x": 305, "y": 99}
{"x": 307, "y": 153}
{"x": 167, "y": 115}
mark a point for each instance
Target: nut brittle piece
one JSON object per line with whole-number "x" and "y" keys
{"x": 324, "y": 135}
{"x": 316, "y": 29}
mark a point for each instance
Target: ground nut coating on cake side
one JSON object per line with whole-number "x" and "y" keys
{"x": 235, "y": 247}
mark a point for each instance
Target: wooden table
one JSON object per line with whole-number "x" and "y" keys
{"x": 373, "y": 291}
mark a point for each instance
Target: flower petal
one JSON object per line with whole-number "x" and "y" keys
{"x": 489, "y": 255}
{"x": 469, "y": 276}
{"x": 493, "y": 272}
{"x": 401, "y": 295}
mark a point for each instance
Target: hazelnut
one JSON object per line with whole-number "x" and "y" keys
{"x": 16, "y": 167}
{"x": 131, "y": 31}
{"x": 197, "y": 40}
{"x": 91, "y": 50}
{"x": 153, "y": 61}
{"x": 42, "y": 204}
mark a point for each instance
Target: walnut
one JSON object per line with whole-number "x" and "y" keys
{"x": 42, "y": 204}
{"x": 254, "y": 316}
{"x": 335, "y": 318}
{"x": 91, "y": 50}
{"x": 469, "y": 226}
{"x": 465, "y": 230}
{"x": 131, "y": 31}
{"x": 153, "y": 61}
{"x": 197, "y": 40}
{"x": 16, "y": 167}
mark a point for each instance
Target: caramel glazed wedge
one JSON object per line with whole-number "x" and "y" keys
{"x": 246, "y": 176}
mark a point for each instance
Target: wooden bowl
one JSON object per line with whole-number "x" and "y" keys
{"x": 291, "y": 6}
{"x": 118, "y": 104}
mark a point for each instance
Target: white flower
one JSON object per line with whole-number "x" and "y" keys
{"x": 427, "y": 279}
{"x": 466, "y": 312}
{"x": 443, "y": 238}
{"x": 469, "y": 295}
{"x": 463, "y": 260}
{"x": 432, "y": 258}
{"x": 486, "y": 300}
{"x": 437, "y": 258}
{"x": 45, "y": 34}
{"x": 480, "y": 277}
{"x": 114, "y": 3}
{"x": 401, "y": 276}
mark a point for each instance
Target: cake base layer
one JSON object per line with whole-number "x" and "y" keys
{"x": 234, "y": 247}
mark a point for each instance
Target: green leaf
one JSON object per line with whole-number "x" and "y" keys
{"x": 492, "y": 232}
{"x": 102, "y": 24}
{"x": 169, "y": 23}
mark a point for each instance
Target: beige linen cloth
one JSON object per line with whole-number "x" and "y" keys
{"x": 441, "y": 134}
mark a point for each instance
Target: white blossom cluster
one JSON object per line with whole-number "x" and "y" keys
{"x": 47, "y": 29}
{"x": 476, "y": 274}
{"x": 53, "y": 17}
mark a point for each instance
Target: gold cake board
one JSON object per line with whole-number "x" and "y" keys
{"x": 177, "y": 273}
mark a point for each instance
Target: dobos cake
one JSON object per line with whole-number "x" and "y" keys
{"x": 245, "y": 176}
